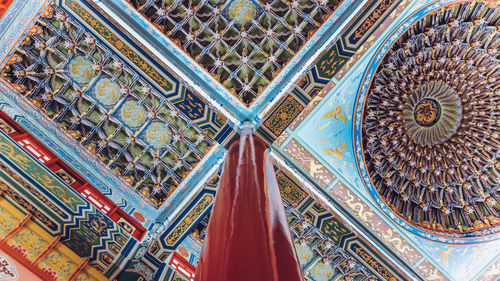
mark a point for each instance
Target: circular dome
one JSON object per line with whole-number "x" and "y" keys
{"x": 429, "y": 124}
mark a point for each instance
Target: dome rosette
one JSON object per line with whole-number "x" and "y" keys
{"x": 428, "y": 128}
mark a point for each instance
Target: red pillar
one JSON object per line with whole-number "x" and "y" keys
{"x": 248, "y": 237}
{"x": 4, "y": 5}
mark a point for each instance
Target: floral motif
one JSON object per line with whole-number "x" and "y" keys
{"x": 7, "y": 269}
{"x": 89, "y": 113}
{"x": 243, "y": 43}
{"x": 7, "y": 222}
{"x": 284, "y": 114}
{"x": 28, "y": 243}
{"x": 58, "y": 265}
{"x": 289, "y": 190}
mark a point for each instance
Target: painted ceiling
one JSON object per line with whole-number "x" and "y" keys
{"x": 382, "y": 118}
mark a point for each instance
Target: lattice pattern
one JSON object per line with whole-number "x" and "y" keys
{"x": 333, "y": 260}
{"x": 243, "y": 43}
{"x": 82, "y": 85}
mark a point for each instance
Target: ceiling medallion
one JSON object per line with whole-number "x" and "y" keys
{"x": 427, "y": 112}
{"x": 133, "y": 113}
{"x": 430, "y": 126}
{"x": 432, "y": 113}
{"x": 158, "y": 135}
{"x": 107, "y": 91}
{"x": 242, "y": 11}
{"x": 80, "y": 69}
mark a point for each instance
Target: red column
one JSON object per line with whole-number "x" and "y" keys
{"x": 4, "y": 5}
{"x": 248, "y": 237}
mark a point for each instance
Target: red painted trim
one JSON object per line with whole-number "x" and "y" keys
{"x": 4, "y": 5}
{"x": 78, "y": 270}
{"x": 26, "y": 263}
{"x": 19, "y": 258}
{"x": 182, "y": 266}
{"x": 16, "y": 229}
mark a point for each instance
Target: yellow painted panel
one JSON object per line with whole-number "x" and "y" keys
{"x": 31, "y": 240}
{"x": 10, "y": 217}
{"x": 60, "y": 262}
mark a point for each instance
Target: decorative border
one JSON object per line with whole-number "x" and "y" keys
{"x": 53, "y": 137}
{"x": 491, "y": 272}
{"x": 295, "y": 65}
{"x": 11, "y": 29}
{"x": 370, "y": 218}
{"x": 373, "y": 37}
{"x": 430, "y": 272}
{"x": 83, "y": 228}
{"x": 311, "y": 165}
{"x": 452, "y": 238}
{"x": 210, "y": 122}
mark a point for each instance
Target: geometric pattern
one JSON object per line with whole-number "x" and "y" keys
{"x": 141, "y": 133}
{"x": 368, "y": 40}
{"x": 440, "y": 208}
{"x": 183, "y": 226}
{"x": 44, "y": 254}
{"x": 82, "y": 170}
{"x": 80, "y": 226}
{"x": 290, "y": 191}
{"x": 320, "y": 258}
{"x": 243, "y": 43}
{"x": 334, "y": 251}
{"x": 325, "y": 68}
{"x": 326, "y": 247}
{"x": 283, "y": 115}
{"x": 357, "y": 33}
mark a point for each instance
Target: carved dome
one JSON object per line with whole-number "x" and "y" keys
{"x": 430, "y": 129}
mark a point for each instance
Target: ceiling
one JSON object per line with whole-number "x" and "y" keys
{"x": 371, "y": 109}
